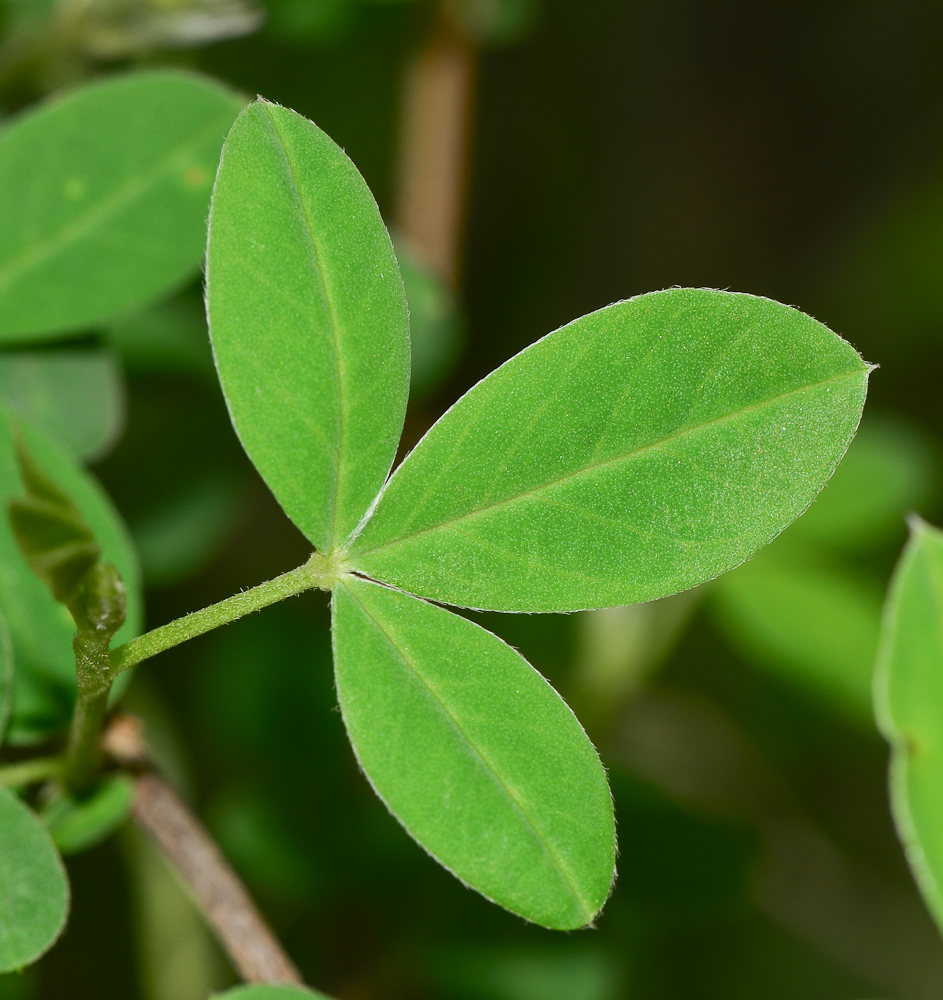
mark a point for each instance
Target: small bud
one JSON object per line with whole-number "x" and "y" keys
{"x": 102, "y": 599}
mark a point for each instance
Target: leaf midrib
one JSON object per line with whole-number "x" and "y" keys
{"x": 558, "y": 864}
{"x": 332, "y": 316}
{"x": 41, "y": 251}
{"x": 594, "y": 466}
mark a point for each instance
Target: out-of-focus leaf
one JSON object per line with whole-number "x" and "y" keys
{"x": 888, "y": 472}
{"x": 76, "y": 826}
{"x": 116, "y": 29}
{"x": 309, "y": 21}
{"x": 6, "y": 677}
{"x": 75, "y": 396}
{"x": 34, "y": 893}
{"x": 308, "y": 320}
{"x": 636, "y": 452}
{"x": 170, "y": 338}
{"x": 812, "y": 624}
{"x": 103, "y": 198}
{"x": 271, "y": 991}
{"x": 908, "y": 698}
{"x": 435, "y": 331}
{"x": 561, "y": 974}
{"x": 178, "y": 540}
{"x": 475, "y": 754}
{"x": 40, "y": 628}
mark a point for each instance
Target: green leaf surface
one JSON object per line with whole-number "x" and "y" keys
{"x": 103, "y": 198}
{"x": 270, "y": 991}
{"x": 75, "y": 396}
{"x": 34, "y": 892}
{"x": 908, "y": 695}
{"x": 475, "y": 754}
{"x": 634, "y": 453}
{"x": 40, "y": 628}
{"x": 77, "y": 825}
{"x": 811, "y": 624}
{"x": 308, "y": 319}
{"x": 6, "y": 677}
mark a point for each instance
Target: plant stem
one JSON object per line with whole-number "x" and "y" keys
{"x": 319, "y": 571}
{"x": 254, "y": 950}
{"x": 92, "y": 667}
{"x": 30, "y": 772}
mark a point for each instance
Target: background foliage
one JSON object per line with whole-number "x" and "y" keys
{"x": 788, "y": 150}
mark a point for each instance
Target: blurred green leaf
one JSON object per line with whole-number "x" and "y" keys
{"x": 169, "y": 338}
{"x": 583, "y": 974}
{"x": 75, "y": 396}
{"x": 309, "y": 21}
{"x": 908, "y": 701}
{"x": 475, "y": 754}
{"x": 103, "y": 197}
{"x": 179, "y": 539}
{"x": 40, "y": 628}
{"x": 308, "y": 319}
{"x": 76, "y": 826}
{"x": 889, "y": 471}
{"x": 270, "y": 991}
{"x": 812, "y": 624}
{"x": 497, "y": 22}
{"x": 6, "y": 677}
{"x": 634, "y": 453}
{"x": 34, "y": 893}
{"x": 435, "y": 331}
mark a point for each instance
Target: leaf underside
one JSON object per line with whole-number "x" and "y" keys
{"x": 909, "y": 706}
{"x": 308, "y": 320}
{"x": 40, "y": 628}
{"x": 34, "y": 892}
{"x": 103, "y": 196}
{"x": 475, "y": 754}
{"x": 634, "y": 453}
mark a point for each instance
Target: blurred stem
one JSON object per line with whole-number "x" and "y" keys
{"x": 318, "y": 572}
{"x": 436, "y": 122}
{"x": 30, "y": 772}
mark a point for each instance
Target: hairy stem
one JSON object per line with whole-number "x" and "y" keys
{"x": 82, "y": 756}
{"x": 319, "y": 571}
{"x": 30, "y": 772}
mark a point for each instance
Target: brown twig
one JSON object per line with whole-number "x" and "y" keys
{"x": 437, "y": 111}
{"x": 247, "y": 939}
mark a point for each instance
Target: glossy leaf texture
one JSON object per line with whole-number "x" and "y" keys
{"x": 634, "y": 453}
{"x": 909, "y": 705}
{"x": 76, "y": 396}
{"x": 103, "y": 198}
{"x": 475, "y": 754}
{"x": 34, "y": 892}
{"x": 308, "y": 319}
{"x": 270, "y": 991}
{"x": 40, "y": 628}
{"x": 6, "y": 677}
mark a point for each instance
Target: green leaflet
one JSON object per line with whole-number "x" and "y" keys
{"x": 40, "y": 628}
{"x": 475, "y": 754}
{"x": 34, "y": 893}
{"x": 634, "y": 453}
{"x": 77, "y": 826}
{"x": 270, "y": 991}
{"x": 6, "y": 677}
{"x": 908, "y": 700}
{"x": 809, "y": 623}
{"x": 75, "y": 396}
{"x": 308, "y": 319}
{"x": 103, "y": 197}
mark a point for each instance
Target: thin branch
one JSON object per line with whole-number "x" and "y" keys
{"x": 247, "y": 939}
